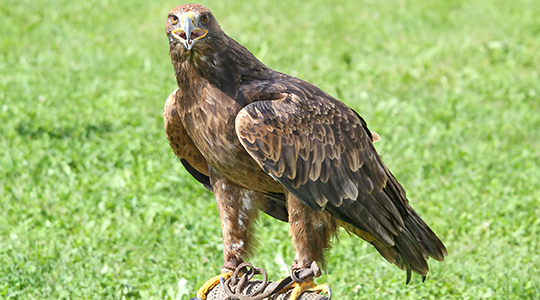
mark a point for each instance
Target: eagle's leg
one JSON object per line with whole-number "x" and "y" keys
{"x": 311, "y": 232}
{"x": 238, "y": 211}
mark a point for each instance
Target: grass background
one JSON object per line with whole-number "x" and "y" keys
{"x": 94, "y": 204}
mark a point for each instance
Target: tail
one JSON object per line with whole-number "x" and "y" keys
{"x": 413, "y": 245}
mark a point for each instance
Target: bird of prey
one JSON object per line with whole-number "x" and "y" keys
{"x": 263, "y": 140}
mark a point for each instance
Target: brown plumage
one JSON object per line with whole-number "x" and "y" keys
{"x": 263, "y": 140}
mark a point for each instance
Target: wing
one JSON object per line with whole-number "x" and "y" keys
{"x": 182, "y": 145}
{"x": 322, "y": 152}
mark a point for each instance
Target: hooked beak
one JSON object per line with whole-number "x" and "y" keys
{"x": 188, "y": 34}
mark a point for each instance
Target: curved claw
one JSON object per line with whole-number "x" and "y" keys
{"x": 210, "y": 284}
{"x": 222, "y": 282}
{"x": 329, "y": 292}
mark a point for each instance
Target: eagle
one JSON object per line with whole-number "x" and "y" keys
{"x": 263, "y": 140}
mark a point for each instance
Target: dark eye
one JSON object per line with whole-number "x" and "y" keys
{"x": 174, "y": 20}
{"x": 205, "y": 18}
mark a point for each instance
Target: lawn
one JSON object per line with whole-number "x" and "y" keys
{"x": 94, "y": 204}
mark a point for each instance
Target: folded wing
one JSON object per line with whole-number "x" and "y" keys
{"x": 322, "y": 152}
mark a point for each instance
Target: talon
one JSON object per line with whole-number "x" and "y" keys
{"x": 329, "y": 292}
{"x": 222, "y": 281}
{"x": 211, "y": 283}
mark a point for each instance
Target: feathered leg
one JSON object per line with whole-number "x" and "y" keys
{"x": 311, "y": 232}
{"x": 238, "y": 211}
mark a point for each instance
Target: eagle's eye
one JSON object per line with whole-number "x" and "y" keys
{"x": 205, "y": 18}
{"x": 174, "y": 20}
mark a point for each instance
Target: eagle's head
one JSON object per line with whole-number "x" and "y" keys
{"x": 199, "y": 48}
{"x": 191, "y": 25}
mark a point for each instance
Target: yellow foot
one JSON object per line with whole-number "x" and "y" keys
{"x": 210, "y": 284}
{"x": 309, "y": 286}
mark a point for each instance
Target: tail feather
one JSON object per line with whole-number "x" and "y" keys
{"x": 413, "y": 245}
{"x": 430, "y": 243}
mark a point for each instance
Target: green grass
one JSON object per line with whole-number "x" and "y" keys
{"x": 95, "y": 205}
